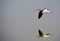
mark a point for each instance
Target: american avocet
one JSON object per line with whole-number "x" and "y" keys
{"x": 42, "y": 11}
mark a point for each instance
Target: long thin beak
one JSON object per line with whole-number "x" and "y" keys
{"x": 49, "y": 11}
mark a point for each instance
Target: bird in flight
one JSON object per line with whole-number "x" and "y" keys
{"x": 42, "y": 11}
{"x": 43, "y": 35}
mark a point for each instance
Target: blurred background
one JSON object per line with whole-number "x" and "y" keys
{"x": 19, "y": 20}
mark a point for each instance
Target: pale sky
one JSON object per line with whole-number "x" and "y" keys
{"x": 19, "y": 20}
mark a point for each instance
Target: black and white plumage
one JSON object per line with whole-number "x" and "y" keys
{"x": 40, "y": 14}
{"x": 40, "y": 33}
{"x": 43, "y": 35}
{"x": 42, "y": 11}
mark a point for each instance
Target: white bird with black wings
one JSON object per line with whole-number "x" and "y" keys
{"x": 42, "y": 11}
{"x": 43, "y": 35}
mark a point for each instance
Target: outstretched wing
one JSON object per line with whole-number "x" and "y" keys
{"x": 40, "y": 33}
{"x": 40, "y": 14}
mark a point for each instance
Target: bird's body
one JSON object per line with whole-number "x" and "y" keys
{"x": 43, "y": 35}
{"x": 42, "y": 11}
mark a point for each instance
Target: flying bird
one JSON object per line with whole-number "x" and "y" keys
{"x": 43, "y": 35}
{"x": 42, "y": 11}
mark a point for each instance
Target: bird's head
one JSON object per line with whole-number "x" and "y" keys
{"x": 49, "y": 34}
{"x": 46, "y": 10}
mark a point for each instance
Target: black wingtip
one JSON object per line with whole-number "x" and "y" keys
{"x": 39, "y": 18}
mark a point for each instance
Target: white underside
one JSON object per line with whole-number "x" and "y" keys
{"x": 45, "y": 35}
